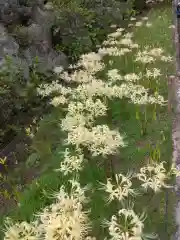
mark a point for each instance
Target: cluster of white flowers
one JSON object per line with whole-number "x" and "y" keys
{"x": 66, "y": 218}
{"x": 91, "y": 62}
{"x": 105, "y": 141}
{"x": 142, "y": 22}
{"x": 20, "y": 231}
{"x": 60, "y": 100}
{"x": 121, "y": 190}
{"x": 81, "y": 76}
{"x": 83, "y": 114}
{"x": 113, "y": 51}
{"x": 113, "y": 40}
{"x": 114, "y": 76}
{"x": 110, "y": 42}
{"x": 153, "y": 176}
{"x": 55, "y": 86}
{"x": 72, "y": 163}
{"x": 94, "y": 107}
{"x": 132, "y": 77}
{"x": 144, "y": 57}
{"x": 134, "y": 92}
{"x": 126, "y": 225}
{"x": 148, "y": 24}
{"x": 151, "y": 55}
{"x": 117, "y": 33}
{"x": 100, "y": 140}
{"x": 63, "y": 219}
{"x": 153, "y": 73}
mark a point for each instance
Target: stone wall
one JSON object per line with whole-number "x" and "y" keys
{"x": 32, "y": 28}
{"x": 25, "y": 33}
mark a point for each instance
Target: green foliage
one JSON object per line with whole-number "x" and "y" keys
{"x": 139, "y": 5}
{"x": 32, "y": 160}
{"x": 8, "y": 188}
{"x": 81, "y": 25}
{"x": 18, "y": 96}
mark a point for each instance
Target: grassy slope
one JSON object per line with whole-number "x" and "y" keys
{"x": 123, "y": 116}
{"x": 159, "y": 35}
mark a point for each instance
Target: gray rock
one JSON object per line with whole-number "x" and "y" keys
{"x": 59, "y": 59}
{"x": 3, "y": 33}
{"x": 31, "y": 40}
{"x": 9, "y": 15}
{"x": 4, "y": 3}
{"x": 32, "y": 3}
{"x": 38, "y": 34}
{"x": 34, "y": 35}
{"x": 43, "y": 16}
{"x": 24, "y": 13}
{"x": 8, "y": 45}
{"x": 46, "y": 61}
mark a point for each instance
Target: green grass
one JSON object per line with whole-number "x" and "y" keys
{"x": 121, "y": 115}
{"x": 135, "y": 154}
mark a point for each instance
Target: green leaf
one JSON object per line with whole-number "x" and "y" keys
{"x": 32, "y": 160}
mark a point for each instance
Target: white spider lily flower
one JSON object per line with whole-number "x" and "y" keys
{"x": 126, "y": 225}
{"x": 138, "y": 24}
{"x": 65, "y": 219}
{"x": 114, "y": 75}
{"x": 154, "y": 73}
{"x": 148, "y": 24}
{"x": 71, "y": 163}
{"x": 19, "y": 231}
{"x": 153, "y": 176}
{"x": 120, "y": 190}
